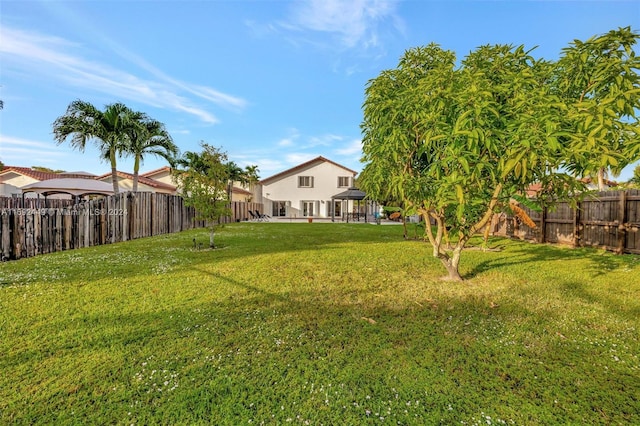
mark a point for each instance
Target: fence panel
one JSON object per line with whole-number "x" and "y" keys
{"x": 609, "y": 220}
{"x": 36, "y": 226}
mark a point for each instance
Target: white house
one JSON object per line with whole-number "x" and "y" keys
{"x": 307, "y": 190}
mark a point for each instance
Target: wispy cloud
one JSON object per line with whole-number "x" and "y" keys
{"x": 269, "y": 167}
{"x": 290, "y": 139}
{"x": 354, "y": 147}
{"x": 356, "y": 23}
{"x": 60, "y": 60}
{"x": 16, "y": 149}
{"x": 296, "y": 158}
{"x": 324, "y": 140}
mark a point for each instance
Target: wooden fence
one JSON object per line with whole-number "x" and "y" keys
{"x": 240, "y": 211}
{"x": 31, "y": 230}
{"x": 34, "y": 203}
{"x": 608, "y": 220}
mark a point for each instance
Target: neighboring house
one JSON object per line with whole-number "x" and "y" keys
{"x": 241, "y": 194}
{"x": 591, "y": 184}
{"x": 163, "y": 175}
{"x": 145, "y": 184}
{"x": 13, "y": 179}
{"x": 307, "y": 190}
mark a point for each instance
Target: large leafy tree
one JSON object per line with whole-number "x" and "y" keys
{"x": 598, "y": 79}
{"x": 109, "y": 129}
{"x": 455, "y": 144}
{"x": 203, "y": 179}
{"x": 635, "y": 179}
{"x": 148, "y": 136}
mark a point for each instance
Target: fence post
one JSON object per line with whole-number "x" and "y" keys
{"x": 6, "y": 217}
{"x": 543, "y": 224}
{"x": 622, "y": 218}
{"x": 576, "y": 225}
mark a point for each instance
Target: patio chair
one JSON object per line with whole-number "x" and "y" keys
{"x": 262, "y": 217}
{"x": 253, "y": 216}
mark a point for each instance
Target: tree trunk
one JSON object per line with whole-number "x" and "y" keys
{"x": 136, "y": 169}
{"x": 601, "y": 174}
{"x": 451, "y": 264}
{"x": 485, "y": 235}
{"x": 211, "y": 238}
{"x": 114, "y": 171}
{"x": 404, "y": 227}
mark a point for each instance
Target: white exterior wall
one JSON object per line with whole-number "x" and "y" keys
{"x": 325, "y": 185}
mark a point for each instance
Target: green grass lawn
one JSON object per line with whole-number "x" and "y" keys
{"x": 318, "y": 324}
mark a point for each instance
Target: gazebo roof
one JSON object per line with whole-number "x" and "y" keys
{"x": 69, "y": 186}
{"x": 350, "y": 194}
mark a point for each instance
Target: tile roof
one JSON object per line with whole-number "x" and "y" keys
{"x": 242, "y": 191}
{"x": 39, "y": 175}
{"x": 157, "y": 171}
{"x": 141, "y": 179}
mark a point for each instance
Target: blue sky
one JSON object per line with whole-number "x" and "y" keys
{"x": 272, "y": 83}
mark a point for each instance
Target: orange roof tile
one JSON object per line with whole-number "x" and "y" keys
{"x": 39, "y": 175}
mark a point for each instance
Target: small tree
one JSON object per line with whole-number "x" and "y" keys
{"x": 202, "y": 179}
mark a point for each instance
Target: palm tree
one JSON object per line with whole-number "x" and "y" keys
{"x": 149, "y": 136}
{"x": 246, "y": 176}
{"x": 108, "y": 128}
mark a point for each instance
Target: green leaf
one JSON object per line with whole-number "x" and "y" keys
{"x": 460, "y": 194}
{"x": 527, "y": 202}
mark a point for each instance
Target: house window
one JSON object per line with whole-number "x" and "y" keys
{"x": 305, "y": 181}
{"x": 343, "y": 181}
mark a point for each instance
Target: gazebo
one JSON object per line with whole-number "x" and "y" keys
{"x": 72, "y": 186}
{"x": 353, "y": 194}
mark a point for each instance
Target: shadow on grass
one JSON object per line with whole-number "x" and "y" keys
{"x": 183, "y": 250}
{"x": 597, "y": 262}
{"x": 459, "y": 358}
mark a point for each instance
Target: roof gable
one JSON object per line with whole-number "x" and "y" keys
{"x": 161, "y": 170}
{"x": 302, "y": 167}
{"x": 141, "y": 179}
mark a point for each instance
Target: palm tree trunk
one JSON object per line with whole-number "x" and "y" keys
{"x": 114, "y": 171}
{"x": 136, "y": 169}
